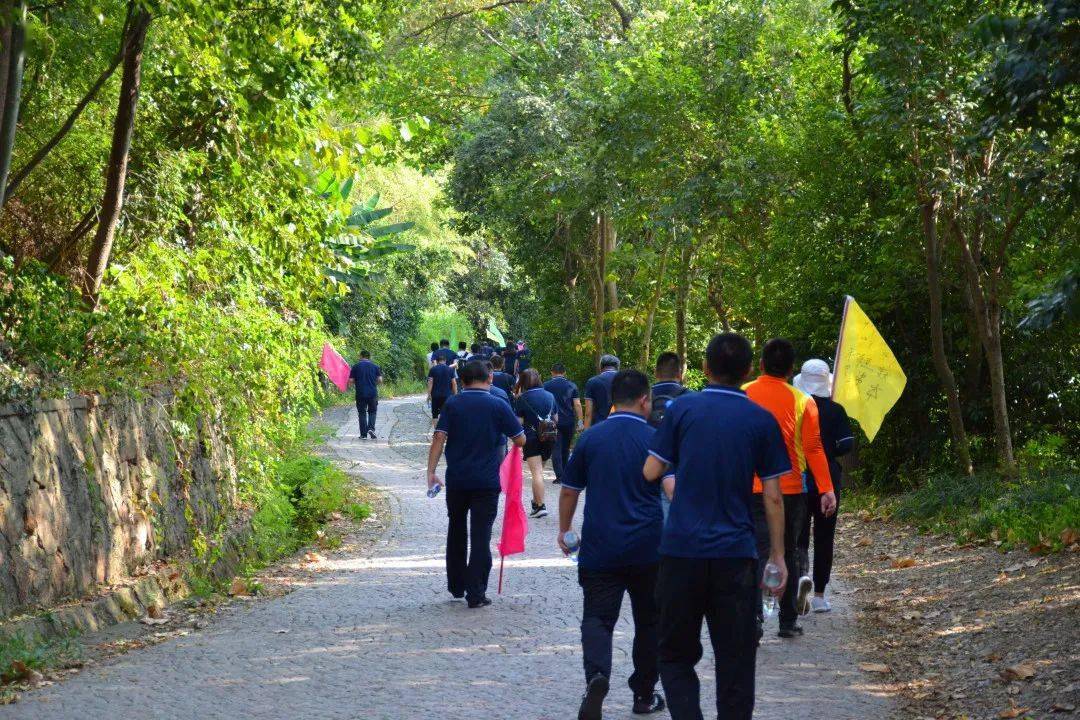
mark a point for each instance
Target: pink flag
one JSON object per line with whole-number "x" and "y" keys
{"x": 335, "y": 366}
{"x": 515, "y": 523}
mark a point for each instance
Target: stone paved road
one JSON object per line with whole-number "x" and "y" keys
{"x": 379, "y": 638}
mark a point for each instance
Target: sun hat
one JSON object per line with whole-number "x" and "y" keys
{"x": 815, "y": 378}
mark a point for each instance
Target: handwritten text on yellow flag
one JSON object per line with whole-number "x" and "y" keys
{"x": 867, "y": 379}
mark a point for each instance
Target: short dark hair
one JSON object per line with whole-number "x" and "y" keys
{"x": 778, "y": 357}
{"x": 473, "y": 372}
{"x": 439, "y": 358}
{"x": 609, "y": 361}
{"x": 462, "y": 345}
{"x": 558, "y": 368}
{"x": 365, "y": 354}
{"x": 668, "y": 365}
{"x": 728, "y": 357}
{"x": 475, "y": 348}
{"x": 434, "y": 346}
{"x": 628, "y": 386}
{"x": 489, "y": 366}
{"x": 497, "y": 361}
{"x": 528, "y": 380}
{"x": 444, "y": 343}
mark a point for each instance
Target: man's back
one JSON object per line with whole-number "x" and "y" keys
{"x": 716, "y": 441}
{"x": 476, "y": 424}
{"x": 502, "y": 381}
{"x": 796, "y": 413}
{"x": 441, "y": 378}
{"x": 365, "y": 375}
{"x": 564, "y": 391}
{"x": 623, "y": 517}
{"x": 598, "y": 390}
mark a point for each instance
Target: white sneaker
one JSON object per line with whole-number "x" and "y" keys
{"x": 538, "y": 511}
{"x": 802, "y": 600}
{"x": 820, "y": 605}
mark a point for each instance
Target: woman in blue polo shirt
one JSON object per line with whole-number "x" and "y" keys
{"x": 539, "y": 415}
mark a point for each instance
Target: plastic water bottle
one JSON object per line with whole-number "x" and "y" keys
{"x": 434, "y": 490}
{"x": 573, "y": 544}
{"x": 771, "y": 580}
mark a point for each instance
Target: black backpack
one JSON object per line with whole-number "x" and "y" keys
{"x": 660, "y": 404}
{"x": 546, "y": 429}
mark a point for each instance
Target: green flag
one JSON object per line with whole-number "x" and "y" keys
{"x": 493, "y": 331}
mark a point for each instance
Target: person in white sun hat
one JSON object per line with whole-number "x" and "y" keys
{"x": 837, "y": 439}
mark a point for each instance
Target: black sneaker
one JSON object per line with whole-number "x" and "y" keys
{"x": 592, "y": 703}
{"x": 790, "y": 631}
{"x": 482, "y": 601}
{"x": 538, "y": 511}
{"x": 648, "y": 705}
{"x": 372, "y": 435}
{"x": 556, "y": 481}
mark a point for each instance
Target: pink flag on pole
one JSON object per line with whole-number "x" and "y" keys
{"x": 335, "y": 367}
{"x": 515, "y": 523}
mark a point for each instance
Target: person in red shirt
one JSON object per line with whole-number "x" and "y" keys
{"x": 797, "y": 415}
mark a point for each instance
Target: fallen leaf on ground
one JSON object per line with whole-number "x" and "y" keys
{"x": 1062, "y": 707}
{"x": 1019, "y": 671}
{"x": 155, "y": 611}
{"x": 1069, "y": 536}
{"x": 1013, "y": 712}
{"x": 864, "y": 542}
{"x": 238, "y": 588}
{"x": 901, "y": 563}
{"x": 147, "y": 620}
{"x": 874, "y": 667}
{"x": 313, "y": 557}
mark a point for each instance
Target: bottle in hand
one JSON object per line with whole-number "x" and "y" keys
{"x": 434, "y": 490}
{"x": 771, "y": 581}
{"x": 573, "y": 544}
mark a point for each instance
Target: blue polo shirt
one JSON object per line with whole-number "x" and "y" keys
{"x": 441, "y": 377}
{"x": 447, "y": 353}
{"x": 501, "y": 394}
{"x": 476, "y": 424}
{"x": 524, "y": 360}
{"x": 503, "y": 381}
{"x": 365, "y": 375}
{"x": 535, "y": 405}
{"x": 716, "y": 440}
{"x": 565, "y": 392}
{"x": 598, "y": 389}
{"x": 623, "y": 517}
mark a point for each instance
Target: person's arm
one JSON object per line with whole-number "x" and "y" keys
{"x": 815, "y": 457}
{"x": 587, "y": 421}
{"x": 438, "y": 441}
{"x": 654, "y": 469}
{"x": 508, "y": 424}
{"x": 662, "y": 452}
{"x": 668, "y": 485}
{"x": 774, "y": 517}
{"x": 453, "y": 386}
{"x": 430, "y": 383}
{"x": 577, "y": 411}
{"x": 568, "y": 500}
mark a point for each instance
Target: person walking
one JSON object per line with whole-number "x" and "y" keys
{"x": 598, "y": 391}
{"x": 366, "y": 376}
{"x": 441, "y": 385}
{"x": 471, "y": 428}
{"x": 716, "y": 440}
{"x": 620, "y": 535}
{"x": 569, "y": 409}
{"x": 500, "y": 379}
{"x": 539, "y": 415}
{"x": 668, "y": 386}
{"x": 509, "y": 355}
{"x": 797, "y": 415}
{"x": 837, "y": 439}
{"x": 431, "y": 355}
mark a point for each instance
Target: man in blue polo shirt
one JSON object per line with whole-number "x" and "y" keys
{"x": 716, "y": 441}
{"x": 619, "y": 538}
{"x": 568, "y": 404}
{"x": 472, "y": 427}
{"x": 500, "y": 379}
{"x": 441, "y": 385}
{"x": 598, "y": 391}
{"x": 366, "y": 376}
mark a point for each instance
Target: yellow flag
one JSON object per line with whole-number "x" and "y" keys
{"x": 867, "y": 380}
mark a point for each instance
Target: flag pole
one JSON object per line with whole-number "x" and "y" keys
{"x": 839, "y": 345}
{"x": 502, "y": 562}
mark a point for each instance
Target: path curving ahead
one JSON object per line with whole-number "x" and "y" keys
{"x": 379, "y": 638}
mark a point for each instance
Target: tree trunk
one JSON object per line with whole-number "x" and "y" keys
{"x": 928, "y": 209}
{"x": 609, "y": 240}
{"x": 716, "y": 297}
{"x": 987, "y": 310}
{"x": 597, "y": 287}
{"x": 682, "y": 296}
{"x": 14, "y": 36}
{"x": 654, "y": 303}
{"x": 112, "y": 200}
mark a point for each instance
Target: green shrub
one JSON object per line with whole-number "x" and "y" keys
{"x": 20, "y": 654}
{"x": 358, "y": 511}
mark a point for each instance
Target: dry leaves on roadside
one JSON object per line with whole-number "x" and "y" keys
{"x": 880, "y": 668}
{"x": 239, "y": 588}
{"x": 905, "y": 562}
{"x": 1013, "y": 712}
{"x": 313, "y": 557}
{"x": 1019, "y": 671}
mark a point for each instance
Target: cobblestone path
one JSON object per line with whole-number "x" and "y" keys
{"x": 378, "y": 637}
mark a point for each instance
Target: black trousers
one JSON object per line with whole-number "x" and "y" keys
{"x": 468, "y": 540}
{"x": 367, "y": 408}
{"x": 722, "y": 592}
{"x": 603, "y": 591}
{"x": 824, "y": 530}
{"x": 561, "y": 454}
{"x": 794, "y": 511}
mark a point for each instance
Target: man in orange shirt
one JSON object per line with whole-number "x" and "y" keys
{"x": 797, "y": 415}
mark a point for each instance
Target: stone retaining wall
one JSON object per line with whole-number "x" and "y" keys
{"x": 92, "y": 491}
